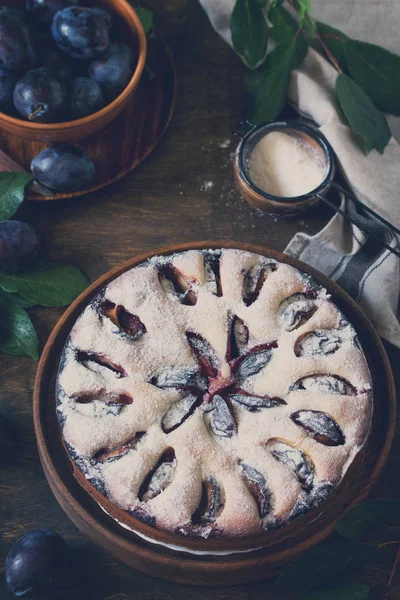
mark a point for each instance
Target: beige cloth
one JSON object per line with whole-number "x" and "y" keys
{"x": 369, "y": 273}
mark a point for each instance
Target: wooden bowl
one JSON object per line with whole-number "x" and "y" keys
{"x": 241, "y": 559}
{"x": 130, "y": 30}
{"x": 125, "y": 142}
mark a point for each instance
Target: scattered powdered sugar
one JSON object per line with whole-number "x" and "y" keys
{"x": 286, "y": 166}
{"x": 207, "y": 186}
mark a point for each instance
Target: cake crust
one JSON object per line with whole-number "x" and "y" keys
{"x": 213, "y": 393}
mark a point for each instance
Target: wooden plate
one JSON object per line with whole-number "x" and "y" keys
{"x": 279, "y": 546}
{"x": 128, "y": 140}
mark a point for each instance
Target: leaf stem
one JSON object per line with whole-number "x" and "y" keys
{"x": 332, "y": 37}
{"x": 329, "y": 54}
{"x": 393, "y": 543}
{"x": 392, "y": 572}
{"x": 298, "y": 32}
{"x": 33, "y": 114}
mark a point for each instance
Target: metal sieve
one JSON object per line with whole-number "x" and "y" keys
{"x": 356, "y": 212}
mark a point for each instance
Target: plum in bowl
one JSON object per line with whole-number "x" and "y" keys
{"x": 119, "y": 40}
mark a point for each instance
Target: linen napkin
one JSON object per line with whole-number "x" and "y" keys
{"x": 366, "y": 270}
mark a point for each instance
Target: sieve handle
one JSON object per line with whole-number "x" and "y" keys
{"x": 348, "y": 218}
{"x": 365, "y": 207}
{"x": 243, "y": 129}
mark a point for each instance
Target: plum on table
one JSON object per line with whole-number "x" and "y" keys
{"x": 19, "y": 245}
{"x": 38, "y": 560}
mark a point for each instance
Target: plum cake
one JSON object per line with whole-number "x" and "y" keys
{"x": 213, "y": 393}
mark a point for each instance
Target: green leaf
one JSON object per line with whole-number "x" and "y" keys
{"x": 262, "y": 3}
{"x": 324, "y": 564}
{"x": 12, "y": 192}
{"x": 46, "y": 283}
{"x": 362, "y": 115}
{"x": 285, "y": 29}
{"x": 17, "y": 334}
{"x": 377, "y": 71}
{"x": 301, "y": 51}
{"x": 335, "y": 41}
{"x": 353, "y": 591}
{"x": 249, "y": 32}
{"x": 284, "y": 25}
{"x": 309, "y": 26}
{"x": 147, "y": 18}
{"x": 266, "y": 90}
{"x": 362, "y": 518}
{"x": 302, "y": 7}
{"x": 15, "y": 299}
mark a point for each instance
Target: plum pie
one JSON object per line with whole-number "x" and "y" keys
{"x": 213, "y": 393}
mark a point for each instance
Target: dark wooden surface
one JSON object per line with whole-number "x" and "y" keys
{"x": 183, "y": 192}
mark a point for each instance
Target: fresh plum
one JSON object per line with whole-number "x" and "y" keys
{"x": 81, "y": 32}
{"x": 63, "y": 168}
{"x": 86, "y": 97}
{"x": 113, "y": 69}
{"x": 39, "y": 96}
{"x": 16, "y": 45}
{"x": 19, "y": 245}
{"x": 37, "y": 561}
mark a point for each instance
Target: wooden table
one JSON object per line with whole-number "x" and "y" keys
{"x": 183, "y": 192}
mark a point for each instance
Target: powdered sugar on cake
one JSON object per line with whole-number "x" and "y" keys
{"x": 214, "y": 393}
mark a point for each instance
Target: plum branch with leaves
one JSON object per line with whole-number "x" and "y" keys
{"x": 25, "y": 280}
{"x": 368, "y": 81}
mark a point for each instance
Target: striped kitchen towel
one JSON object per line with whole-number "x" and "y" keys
{"x": 344, "y": 252}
